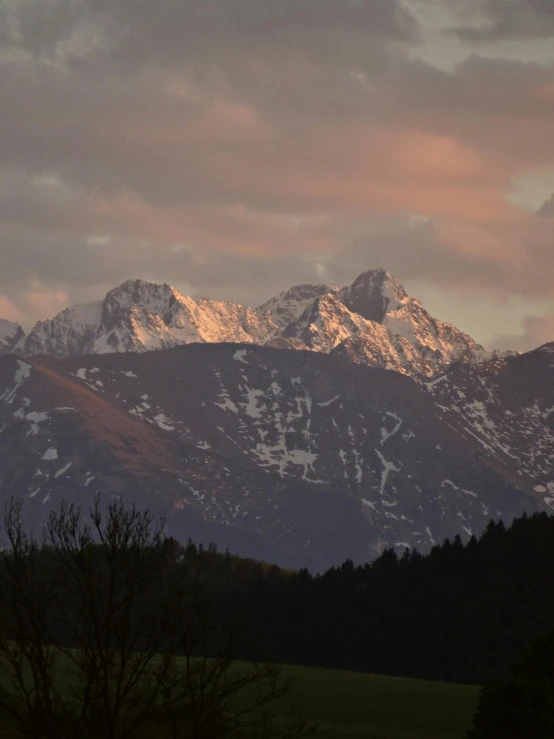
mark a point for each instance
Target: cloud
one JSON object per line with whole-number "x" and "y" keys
{"x": 508, "y": 19}
{"x": 172, "y": 31}
{"x": 238, "y": 148}
{"x": 45, "y": 302}
{"x": 535, "y": 331}
{"x": 8, "y": 311}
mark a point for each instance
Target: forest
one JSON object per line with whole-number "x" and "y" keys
{"x": 461, "y": 613}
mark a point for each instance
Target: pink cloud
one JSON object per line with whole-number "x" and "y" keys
{"x": 43, "y": 302}
{"x": 272, "y": 161}
{"x": 9, "y": 311}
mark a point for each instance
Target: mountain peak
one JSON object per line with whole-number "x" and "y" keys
{"x": 289, "y": 305}
{"x": 68, "y": 334}
{"x": 373, "y": 294}
{"x": 140, "y": 291}
{"x": 373, "y": 317}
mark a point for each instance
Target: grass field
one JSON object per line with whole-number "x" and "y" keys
{"x": 350, "y": 704}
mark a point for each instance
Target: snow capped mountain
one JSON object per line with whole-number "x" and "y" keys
{"x": 140, "y": 316}
{"x": 299, "y": 457}
{"x": 375, "y": 322}
{"x": 69, "y": 334}
{"x": 11, "y": 336}
{"x": 377, "y": 296}
{"x": 372, "y": 321}
{"x": 329, "y": 327}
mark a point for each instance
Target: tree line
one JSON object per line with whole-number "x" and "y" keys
{"x": 461, "y": 613}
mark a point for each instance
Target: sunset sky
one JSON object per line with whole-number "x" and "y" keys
{"x": 234, "y": 148}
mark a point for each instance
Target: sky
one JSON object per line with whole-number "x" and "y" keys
{"x": 234, "y": 148}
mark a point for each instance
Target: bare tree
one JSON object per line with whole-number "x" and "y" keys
{"x": 104, "y": 632}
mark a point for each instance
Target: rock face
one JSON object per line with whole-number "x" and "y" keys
{"x": 303, "y": 458}
{"x": 373, "y": 321}
{"x": 11, "y": 337}
{"x": 373, "y": 295}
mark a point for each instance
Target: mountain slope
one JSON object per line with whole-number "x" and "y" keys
{"x": 299, "y": 457}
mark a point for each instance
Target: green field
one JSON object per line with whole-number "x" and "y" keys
{"x": 350, "y": 704}
{"x": 353, "y": 704}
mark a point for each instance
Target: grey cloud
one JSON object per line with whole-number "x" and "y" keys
{"x": 86, "y": 267}
{"x": 510, "y": 19}
{"x": 97, "y": 102}
{"x": 130, "y": 132}
{"x": 132, "y": 31}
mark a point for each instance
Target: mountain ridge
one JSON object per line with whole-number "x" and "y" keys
{"x": 372, "y": 321}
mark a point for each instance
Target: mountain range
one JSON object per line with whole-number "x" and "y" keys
{"x": 326, "y": 424}
{"x": 373, "y": 321}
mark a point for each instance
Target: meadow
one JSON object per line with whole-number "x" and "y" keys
{"x": 353, "y": 704}
{"x": 350, "y": 704}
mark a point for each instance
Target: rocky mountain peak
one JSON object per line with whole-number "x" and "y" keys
{"x": 373, "y": 294}
{"x": 289, "y": 305}
{"x": 324, "y": 324}
{"x": 139, "y": 294}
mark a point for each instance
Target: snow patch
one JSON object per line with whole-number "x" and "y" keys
{"x": 368, "y": 503}
{"x": 239, "y": 355}
{"x": 328, "y": 402}
{"x": 385, "y": 433}
{"x": 388, "y": 467}
{"x": 444, "y": 483}
{"x": 252, "y": 408}
{"x": 63, "y": 470}
{"x": 163, "y": 422}
{"x": 36, "y": 419}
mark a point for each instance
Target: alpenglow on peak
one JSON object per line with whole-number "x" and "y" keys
{"x": 371, "y": 321}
